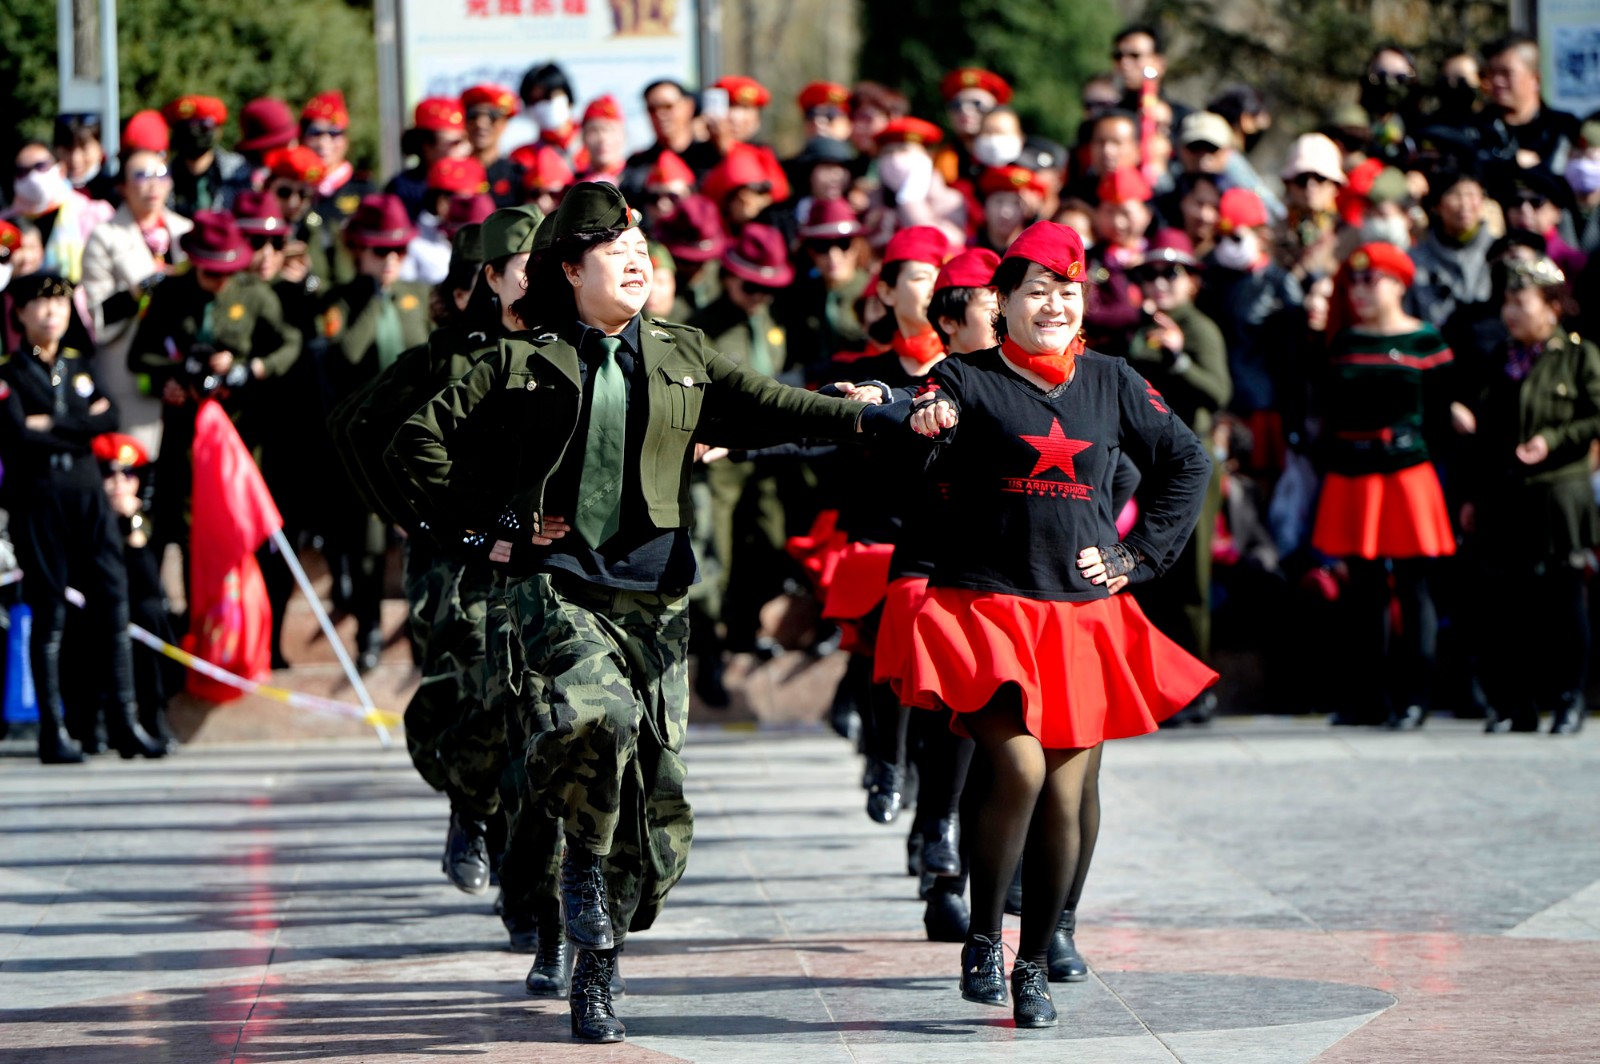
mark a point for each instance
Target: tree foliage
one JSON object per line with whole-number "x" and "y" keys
{"x": 236, "y": 51}
{"x": 1046, "y": 49}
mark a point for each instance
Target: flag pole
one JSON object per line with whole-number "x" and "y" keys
{"x": 281, "y": 541}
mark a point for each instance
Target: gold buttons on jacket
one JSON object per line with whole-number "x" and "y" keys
{"x": 531, "y": 385}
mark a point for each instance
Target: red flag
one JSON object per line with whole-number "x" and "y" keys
{"x": 230, "y": 619}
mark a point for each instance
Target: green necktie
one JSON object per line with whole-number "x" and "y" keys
{"x": 760, "y": 350}
{"x": 203, "y": 335}
{"x": 391, "y": 336}
{"x": 600, "y": 489}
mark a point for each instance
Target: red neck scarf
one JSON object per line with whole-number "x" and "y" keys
{"x": 921, "y": 350}
{"x": 1054, "y": 368}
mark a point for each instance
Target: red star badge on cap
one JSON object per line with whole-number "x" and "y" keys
{"x": 1055, "y": 451}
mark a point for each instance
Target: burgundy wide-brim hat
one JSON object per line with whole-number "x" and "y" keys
{"x": 693, "y": 232}
{"x": 760, "y": 257}
{"x": 258, "y": 214}
{"x": 380, "y": 222}
{"x": 215, "y": 243}
{"x": 266, "y": 123}
{"x": 831, "y": 219}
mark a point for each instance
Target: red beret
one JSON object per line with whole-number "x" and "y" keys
{"x": 745, "y": 164}
{"x": 670, "y": 169}
{"x": 461, "y": 176}
{"x": 909, "y": 131}
{"x": 439, "y": 113}
{"x": 975, "y": 78}
{"x": 823, "y": 94}
{"x": 543, "y": 168}
{"x": 1054, "y": 246}
{"x": 1011, "y": 178}
{"x": 121, "y": 449}
{"x": 1126, "y": 185}
{"x": 186, "y": 107}
{"x": 973, "y": 268}
{"x": 1240, "y": 209}
{"x": 299, "y": 163}
{"x": 603, "y": 108}
{"x": 496, "y": 96}
{"x": 745, "y": 92}
{"x": 146, "y": 131}
{"x": 327, "y": 107}
{"x": 918, "y": 243}
{"x": 10, "y": 236}
{"x": 1386, "y": 258}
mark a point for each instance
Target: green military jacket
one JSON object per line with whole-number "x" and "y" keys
{"x": 480, "y": 455}
{"x": 729, "y": 330}
{"x": 1197, "y": 384}
{"x": 246, "y": 318}
{"x": 1559, "y": 399}
{"x": 349, "y": 323}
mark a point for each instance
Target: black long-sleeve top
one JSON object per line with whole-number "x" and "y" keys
{"x": 65, "y": 390}
{"x": 1030, "y": 475}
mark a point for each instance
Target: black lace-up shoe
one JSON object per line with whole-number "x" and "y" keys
{"x": 983, "y": 976}
{"x": 1030, "y": 996}
{"x": 583, "y": 896}
{"x": 593, "y": 1018}
{"x": 549, "y": 975}
{"x": 883, "y": 791}
{"x": 466, "y": 854}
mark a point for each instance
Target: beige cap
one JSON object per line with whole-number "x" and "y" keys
{"x": 1207, "y": 127}
{"x": 1314, "y": 153}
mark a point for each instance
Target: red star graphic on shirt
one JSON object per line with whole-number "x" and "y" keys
{"x": 1055, "y": 451}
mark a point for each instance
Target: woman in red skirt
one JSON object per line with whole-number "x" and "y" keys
{"x": 1023, "y": 633}
{"x": 1382, "y": 510}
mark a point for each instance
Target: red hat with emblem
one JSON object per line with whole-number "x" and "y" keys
{"x": 188, "y": 108}
{"x": 972, "y": 268}
{"x": 258, "y": 214}
{"x": 10, "y": 237}
{"x": 1171, "y": 246}
{"x": 464, "y": 176}
{"x": 1126, "y": 185}
{"x": 299, "y": 163}
{"x": 264, "y": 123}
{"x": 1056, "y": 247}
{"x": 745, "y": 92}
{"x": 147, "y": 131}
{"x": 327, "y": 107}
{"x": 438, "y": 114}
{"x": 831, "y": 219}
{"x": 918, "y": 243}
{"x": 120, "y": 449}
{"x": 760, "y": 257}
{"x": 824, "y": 94}
{"x": 1012, "y": 178}
{"x": 1385, "y": 258}
{"x": 499, "y": 97}
{"x": 693, "y": 232}
{"x": 1240, "y": 208}
{"x": 543, "y": 169}
{"x": 215, "y": 243}
{"x": 465, "y": 211}
{"x": 745, "y": 164}
{"x": 603, "y": 109}
{"x": 670, "y": 169}
{"x": 909, "y": 130}
{"x": 380, "y": 222}
{"x": 975, "y": 78}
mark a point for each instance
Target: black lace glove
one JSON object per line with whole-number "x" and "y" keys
{"x": 1119, "y": 560}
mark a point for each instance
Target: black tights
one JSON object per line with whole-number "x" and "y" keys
{"x": 1041, "y": 803}
{"x": 1409, "y": 652}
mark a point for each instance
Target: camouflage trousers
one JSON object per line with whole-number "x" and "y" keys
{"x": 428, "y": 714}
{"x": 605, "y": 720}
{"x": 530, "y": 866}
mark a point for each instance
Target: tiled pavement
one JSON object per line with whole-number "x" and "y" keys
{"x": 1265, "y": 891}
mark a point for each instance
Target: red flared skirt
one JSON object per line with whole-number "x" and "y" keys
{"x": 818, "y": 550}
{"x": 1384, "y": 515}
{"x": 892, "y": 657}
{"x": 1088, "y": 671}
{"x": 860, "y": 580}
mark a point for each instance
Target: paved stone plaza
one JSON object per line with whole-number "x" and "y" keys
{"x": 1265, "y": 891}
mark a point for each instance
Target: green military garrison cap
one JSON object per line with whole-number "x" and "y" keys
{"x": 543, "y": 238}
{"x": 510, "y": 230}
{"x": 466, "y": 247}
{"x": 592, "y": 207}
{"x": 661, "y": 258}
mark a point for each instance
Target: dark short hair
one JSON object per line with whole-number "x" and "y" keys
{"x": 663, "y": 83}
{"x": 1513, "y": 42}
{"x": 1236, "y": 101}
{"x": 880, "y": 97}
{"x": 1117, "y": 114}
{"x": 543, "y": 81}
{"x": 889, "y": 273}
{"x": 75, "y": 130}
{"x": 1190, "y": 179}
{"x": 1145, "y": 28}
{"x": 1008, "y": 277}
{"x": 948, "y": 303}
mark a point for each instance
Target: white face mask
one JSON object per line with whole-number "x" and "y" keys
{"x": 552, "y": 113}
{"x": 1583, "y": 174}
{"x": 5, "y": 276}
{"x": 1386, "y": 229}
{"x": 1238, "y": 251}
{"x": 999, "y": 150}
{"x": 900, "y": 170}
{"x": 41, "y": 190}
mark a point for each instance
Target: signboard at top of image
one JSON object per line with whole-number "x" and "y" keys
{"x": 605, "y": 46}
{"x": 1569, "y": 50}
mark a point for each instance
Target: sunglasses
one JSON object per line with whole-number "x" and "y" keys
{"x": 289, "y": 192}
{"x": 969, "y": 105}
{"x": 160, "y": 173}
{"x": 323, "y": 131}
{"x": 1307, "y": 180}
{"x": 259, "y": 241}
{"x": 829, "y": 114}
{"x": 37, "y": 168}
{"x": 1531, "y": 200}
{"x": 486, "y": 113}
{"x": 662, "y": 194}
{"x": 760, "y": 188}
{"x": 1366, "y": 278}
{"x": 1158, "y": 272}
{"x": 760, "y": 289}
{"x": 1390, "y": 77}
{"x": 822, "y": 247}
{"x": 1115, "y": 56}
{"x": 384, "y": 253}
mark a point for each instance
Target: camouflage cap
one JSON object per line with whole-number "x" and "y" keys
{"x": 592, "y": 207}
{"x": 510, "y": 230}
{"x": 1540, "y": 272}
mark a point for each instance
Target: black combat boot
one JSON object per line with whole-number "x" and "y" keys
{"x": 883, "y": 791}
{"x": 940, "y": 853}
{"x": 127, "y": 737}
{"x": 1030, "y": 996}
{"x": 1066, "y": 963}
{"x": 1569, "y": 715}
{"x": 56, "y": 747}
{"x": 549, "y": 975}
{"x": 945, "y": 916}
{"x": 583, "y": 896}
{"x": 983, "y": 976}
{"x": 593, "y": 1018}
{"x": 466, "y": 854}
